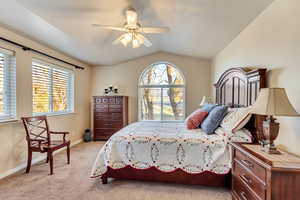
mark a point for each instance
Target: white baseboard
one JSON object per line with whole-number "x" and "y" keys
{"x": 34, "y": 161}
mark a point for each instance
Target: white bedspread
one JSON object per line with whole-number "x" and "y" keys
{"x": 167, "y": 146}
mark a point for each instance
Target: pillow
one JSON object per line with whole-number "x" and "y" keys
{"x": 214, "y": 118}
{"x": 243, "y": 135}
{"x": 208, "y": 107}
{"x": 236, "y": 119}
{"x": 195, "y": 119}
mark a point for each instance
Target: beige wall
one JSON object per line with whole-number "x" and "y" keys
{"x": 126, "y": 75}
{"x": 13, "y": 149}
{"x": 272, "y": 41}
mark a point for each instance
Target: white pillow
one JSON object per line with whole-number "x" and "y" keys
{"x": 243, "y": 135}
{"x": 236, "y": 119}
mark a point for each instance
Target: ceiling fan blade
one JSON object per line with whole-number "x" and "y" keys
{"x": 131, "y": 16}
{"x": 154, "y": 29}
{"x": 110, "y": 27}
{"x": 144, "y": 40}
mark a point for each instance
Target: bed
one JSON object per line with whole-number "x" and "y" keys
{"x": 168, "y": 152}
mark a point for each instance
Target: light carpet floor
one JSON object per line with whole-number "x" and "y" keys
{"x": 72, "y": 182}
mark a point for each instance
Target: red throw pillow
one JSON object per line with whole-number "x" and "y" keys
{"x": 195, "y": 119}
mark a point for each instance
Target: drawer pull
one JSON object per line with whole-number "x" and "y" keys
{"x": 247, "y": 163}
{"x": 245, "y": 178}
{"x": 108, "y": 124}
{"x": 243, "y": 195}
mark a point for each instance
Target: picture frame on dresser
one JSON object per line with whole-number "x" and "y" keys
{"x": 110, "y": 114}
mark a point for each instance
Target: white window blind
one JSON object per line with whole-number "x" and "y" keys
{"x": 52, "y": 89}
{"x": 7, "y": 85}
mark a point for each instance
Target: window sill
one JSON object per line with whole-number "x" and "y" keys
{"x": 8, "y": 121}
{"x": 53, "y": 114}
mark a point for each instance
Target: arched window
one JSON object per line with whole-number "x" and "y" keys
{"x": 161, "y": 93}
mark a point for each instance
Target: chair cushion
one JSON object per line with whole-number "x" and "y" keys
{"x": 195, "y": 119}
{"x": 214, "y": 118}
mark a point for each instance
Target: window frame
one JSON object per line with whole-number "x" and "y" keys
{"x": 71, "y": 84}
{"x": 161, "y": 87}
{"x": 9, "y": 87}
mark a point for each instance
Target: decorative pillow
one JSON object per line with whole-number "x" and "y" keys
{"x": 236, "y": 119}
{"x": 195, "y": 119}
{"x": 214, "y": 118}
{"x": 208, "y": 107}
{"x": 243, "y": 135}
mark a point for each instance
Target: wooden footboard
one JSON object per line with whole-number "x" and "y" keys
{"x": 178, "y": 176}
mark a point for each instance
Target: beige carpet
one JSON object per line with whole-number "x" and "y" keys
{"x": 73, "y": 182}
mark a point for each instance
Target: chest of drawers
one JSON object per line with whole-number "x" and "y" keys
{"x": 110, "y": 115}
{"x": 257, "y": 175}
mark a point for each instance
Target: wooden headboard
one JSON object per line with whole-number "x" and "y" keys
{"x": 239, "y": 87}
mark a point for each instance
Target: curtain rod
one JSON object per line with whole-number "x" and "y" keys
{"x": 25, "y": 48}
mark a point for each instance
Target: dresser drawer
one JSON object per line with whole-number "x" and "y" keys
{"x": 108, "y": 124}
{"x": 251, "y": 165}
{"x": 241, "y": 173}
{"x": 101, "y": 108}
{"x": 105, "y": 131}
{"x": 115, "y": 108}
{"x": 109, "y": 100}
{"x": 241, "y": 192}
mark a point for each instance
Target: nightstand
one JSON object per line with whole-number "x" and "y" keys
{"x": 257, "y": 175}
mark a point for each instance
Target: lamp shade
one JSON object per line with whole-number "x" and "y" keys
{"x": 273, "y": 101}
{"x": 205, "y": 100}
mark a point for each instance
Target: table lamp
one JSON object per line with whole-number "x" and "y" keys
{"x": 272, "y": 102}
{"x": 205, "y": 100}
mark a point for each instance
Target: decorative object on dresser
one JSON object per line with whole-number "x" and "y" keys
{"x": 258, "y": 175}
{"x": 111, "y": 90}
{"x": 39, "y": 139}
{"x": 272, "y": 101}
{"x": 110, "y": 115}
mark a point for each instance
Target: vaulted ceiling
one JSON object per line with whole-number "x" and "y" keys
{"x": 199, "y": 28}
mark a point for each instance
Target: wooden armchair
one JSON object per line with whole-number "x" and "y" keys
{"x": 38, "y": 139}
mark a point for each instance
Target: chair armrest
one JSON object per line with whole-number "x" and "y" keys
{"x": 60, "y": 133}
{"x": 39, "y": 141}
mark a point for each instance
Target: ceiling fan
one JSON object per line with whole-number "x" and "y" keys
{"x": 133, "y": 31}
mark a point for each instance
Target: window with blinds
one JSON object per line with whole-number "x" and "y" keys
{"x": 52, "y": 89}
{"x": 7, "y": 85}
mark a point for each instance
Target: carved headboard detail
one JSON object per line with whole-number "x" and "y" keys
{"x": 239, "y": 87}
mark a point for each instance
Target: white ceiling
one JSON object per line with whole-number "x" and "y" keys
{"x": 199, "y": 28}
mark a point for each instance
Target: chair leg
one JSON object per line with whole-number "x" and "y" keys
{"x": 51, "y": 162}
{"x": 68, "y": 153}
{"x": 29, "y": 157}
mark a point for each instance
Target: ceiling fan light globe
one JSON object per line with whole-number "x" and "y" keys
{"x": 124, "y": 41}
{"x": 135, "y": 43}
{"x": 128, "y": 37}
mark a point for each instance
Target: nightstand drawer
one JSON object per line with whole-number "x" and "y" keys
{"x": 239, "y": 172}
{"x": 240, "y": 192}
{"x": 251, "y": 165}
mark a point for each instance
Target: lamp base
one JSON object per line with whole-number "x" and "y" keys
{"x": 270, "y": 149}
{"x": 270, "y": 131}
